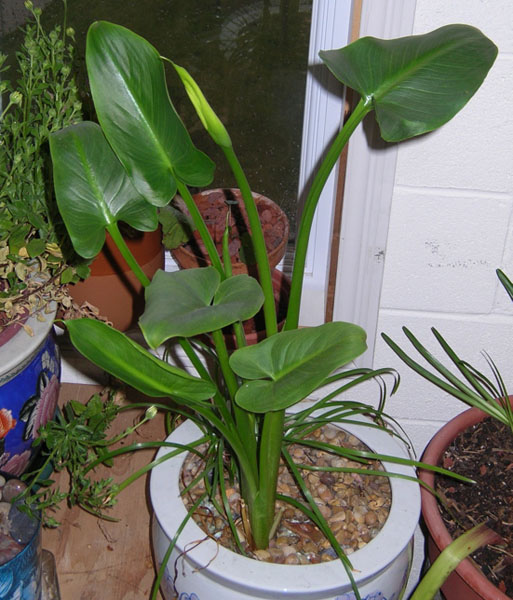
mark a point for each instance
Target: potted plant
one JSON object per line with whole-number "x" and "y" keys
{"x": 35, "y": 254}
{"x": 136, "y": 160}
{"x": 465, "y": 444}
{"x": 85, "y": 441}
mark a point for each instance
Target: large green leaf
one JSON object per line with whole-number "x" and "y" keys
{"x": 288, "y": 366}
{"x": 122, "y": 357}
{"x": 194, "y": 301}
{"x": 415, "y": 83}
{"x": 92, "y": 188}
{"x": 130, "y": 95}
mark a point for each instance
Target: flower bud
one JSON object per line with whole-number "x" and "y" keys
{"x": 151, "y": 412}
{"x": 16, "y": 98}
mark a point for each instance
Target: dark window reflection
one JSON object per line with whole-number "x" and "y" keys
{"x": 249, "y": 56}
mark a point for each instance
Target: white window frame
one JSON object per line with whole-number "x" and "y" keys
{"x": 324, "y": 106}
{"x": 368, "y": 193}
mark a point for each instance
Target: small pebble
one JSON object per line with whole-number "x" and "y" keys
{"x": 12, "y": 488}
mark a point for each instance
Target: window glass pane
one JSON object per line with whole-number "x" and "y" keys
{"x": 249, "y": 57}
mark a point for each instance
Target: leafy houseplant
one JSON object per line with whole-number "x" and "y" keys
{"x": 85, "y": 441}
{"x": 141, "y": 155}
{"x": 480, "y": 450}
{"x": 34, "y": 259}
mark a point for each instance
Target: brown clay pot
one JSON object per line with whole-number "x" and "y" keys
{"x": 112, "y": 287}
{"x": 213, "y": 207}
{"x": 466, "y": 582}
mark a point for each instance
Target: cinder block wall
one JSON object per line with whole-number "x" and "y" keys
{"x": 451, "y": 227}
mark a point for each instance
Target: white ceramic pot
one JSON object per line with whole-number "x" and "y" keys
{"x": 29, "y": 390}
{"x": 206, "y": 571}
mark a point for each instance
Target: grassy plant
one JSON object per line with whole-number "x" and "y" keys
{"x": 460, "y": 379}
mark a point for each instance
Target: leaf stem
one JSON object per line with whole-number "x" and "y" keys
{"x": 310, "y": 206}
{"x": 257, "y": 236}
{"x": 199, "y": 223}
{"x": 113, "y": 229}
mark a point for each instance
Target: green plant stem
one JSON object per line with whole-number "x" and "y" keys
{"x": 194, "y": 358}
{"x": 257, "y": 236}
{"x": 261, "y": 511}
{"x": 245, "y": 421}
{"x": 201, "y": 227}
{"x": 363, "y": 107}
{"x": 227, "y": 261}
{"x": 261, "y": 514}
{"x": 127, "y": 255}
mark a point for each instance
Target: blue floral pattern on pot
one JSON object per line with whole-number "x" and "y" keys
{"x": 185, "y": 596}
{"x": 28, "y": 399}
{"x": 20, "y": 577}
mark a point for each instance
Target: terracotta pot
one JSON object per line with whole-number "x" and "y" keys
{"x": 112, "y": 287}
{"x": 466, "y": 582}
{"x": 213, "y": 207}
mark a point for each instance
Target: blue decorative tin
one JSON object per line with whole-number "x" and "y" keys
{"x": 20, "y": 577}
{"x": 29, "y": 390}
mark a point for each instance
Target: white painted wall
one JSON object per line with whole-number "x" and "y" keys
{"x": 450, "y": 227}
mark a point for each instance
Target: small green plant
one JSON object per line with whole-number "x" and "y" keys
{"x": 140, "y": 155}
{"x": 34, "y": 246}
{"x": 77, "y": 441}
{"x": 468, "y": 383}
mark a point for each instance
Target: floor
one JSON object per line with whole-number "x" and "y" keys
{"x": 100, "y": 560}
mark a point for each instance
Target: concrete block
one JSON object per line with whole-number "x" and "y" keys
{"x": 443, "y": 250}
{"x": 474, "y": 149}
{"x": 493, "y": 17}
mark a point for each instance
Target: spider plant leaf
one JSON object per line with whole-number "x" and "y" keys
{"x": 129, "y": 90}
{"x": 123, "y": 358}
{"x": 450, "y": 558}
{"x": 195, "y": 301}
{"x": 92, "y": 188}
{"x": 286, "y": 367}
{"x": 415, "y": 83}
{"x": 506, "y": 282}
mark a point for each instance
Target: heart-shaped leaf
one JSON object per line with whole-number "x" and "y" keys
{"x": 288, "y": 366}
{"x": 130, "y": 95}
{"x": 92, "y": 188}
{"x": 415, "y": 83}
{"x": 122, "y": 357}
{"x": 194, "y": 301}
